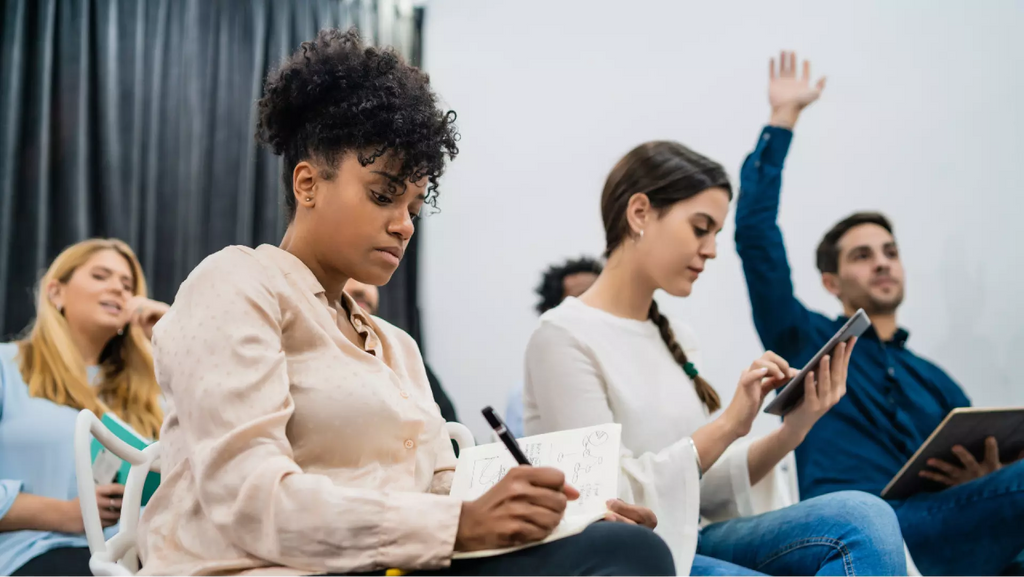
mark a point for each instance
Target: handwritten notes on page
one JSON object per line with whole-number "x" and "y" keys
{"x": 589, "y": 457}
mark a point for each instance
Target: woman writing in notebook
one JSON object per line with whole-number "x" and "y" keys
{"x": 301, "y": 434}
{"x": 88, "y": 348}
{"x": 612, "y": 356}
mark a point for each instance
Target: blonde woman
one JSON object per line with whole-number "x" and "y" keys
{"x": 88, "y": 348}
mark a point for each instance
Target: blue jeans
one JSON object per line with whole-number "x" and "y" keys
{"x": 972, "y": 529}
{"x": 844, "y": 533}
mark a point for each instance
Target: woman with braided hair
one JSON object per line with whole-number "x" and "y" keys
{"x": 611, "y": 356}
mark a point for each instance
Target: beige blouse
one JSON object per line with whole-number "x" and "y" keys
{"x": 286, "y": 448}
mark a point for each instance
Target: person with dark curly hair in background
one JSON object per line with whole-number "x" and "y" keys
{"x": 569, "y": 279}
{"x": 561, "y": 281}
{"x": 301, "y": 435}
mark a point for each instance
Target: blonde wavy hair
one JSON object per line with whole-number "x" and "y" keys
{"x": 54, "y": 368}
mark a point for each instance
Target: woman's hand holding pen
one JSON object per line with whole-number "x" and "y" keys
{"x": 524, "y": 507}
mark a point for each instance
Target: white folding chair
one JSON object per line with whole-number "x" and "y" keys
{"x": 119, "y": 555}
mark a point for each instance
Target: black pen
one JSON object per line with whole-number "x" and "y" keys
{"x": 506, "y": 437}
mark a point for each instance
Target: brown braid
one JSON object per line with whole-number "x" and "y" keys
{"x": 705, "y": 392}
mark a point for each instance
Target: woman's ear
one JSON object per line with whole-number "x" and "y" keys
{"x": 638, "y": 213}
{"x": 304, "y": 179}
{"x": 55, "y": 293}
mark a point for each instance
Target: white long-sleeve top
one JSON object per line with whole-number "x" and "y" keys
{"x": 586, "y": 367}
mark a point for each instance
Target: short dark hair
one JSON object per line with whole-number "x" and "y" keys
{"x": 828, "y": 248}
{"x": 334, "y": 95}
{"x": 552, "y": 284}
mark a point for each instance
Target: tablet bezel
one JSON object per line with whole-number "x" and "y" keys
{"x": 789, "y": 397}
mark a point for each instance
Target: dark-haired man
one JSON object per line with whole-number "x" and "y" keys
{"x": 895, "y": 398}
{"x": 561, "y": 281}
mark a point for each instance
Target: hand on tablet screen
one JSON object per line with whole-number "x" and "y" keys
{"x": 765, "y": 374}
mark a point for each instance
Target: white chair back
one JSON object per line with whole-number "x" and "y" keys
{"x": 118, "y": 556}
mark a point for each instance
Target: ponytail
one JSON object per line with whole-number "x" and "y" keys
{"x": 705, "y": 392}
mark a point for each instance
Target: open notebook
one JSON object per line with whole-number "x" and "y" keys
{"x": 589, "y": 457}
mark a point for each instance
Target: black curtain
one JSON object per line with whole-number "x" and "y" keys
{"x": 134, "y": 119}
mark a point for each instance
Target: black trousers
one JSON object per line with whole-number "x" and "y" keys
{"x": 602, "y": 549}
{"x": 61, "y": 561}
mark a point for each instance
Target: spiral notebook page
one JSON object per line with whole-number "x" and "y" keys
{"x": 589, "y": 457}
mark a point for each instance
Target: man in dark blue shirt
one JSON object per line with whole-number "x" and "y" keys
{"x": 894, "y": 398}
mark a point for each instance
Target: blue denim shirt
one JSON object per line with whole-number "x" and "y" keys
{"x": 894, "y": 398}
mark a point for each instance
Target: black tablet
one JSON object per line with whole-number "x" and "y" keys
{"x": 968, "y": 427}
{"x": 791, "y": 395}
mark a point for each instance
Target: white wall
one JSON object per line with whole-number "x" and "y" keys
{"x": 922, "y": 119}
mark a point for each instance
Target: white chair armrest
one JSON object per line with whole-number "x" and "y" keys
{"x": 117, "y": 556}
{"x": 108, "y": 569}
{"x": 461, "y": 434}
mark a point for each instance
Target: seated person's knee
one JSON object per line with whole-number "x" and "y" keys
{"x": 628, "y": 549}
{"x": 864, "y": 515}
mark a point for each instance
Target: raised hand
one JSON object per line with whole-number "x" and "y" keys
{"x": 788, "y": 92}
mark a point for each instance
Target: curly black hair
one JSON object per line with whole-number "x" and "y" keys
{"x": 552, "y": 285}
{"x": 334, "y": 95}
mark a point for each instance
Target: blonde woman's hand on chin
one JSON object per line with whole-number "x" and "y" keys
{"x": 145, "y": 313}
